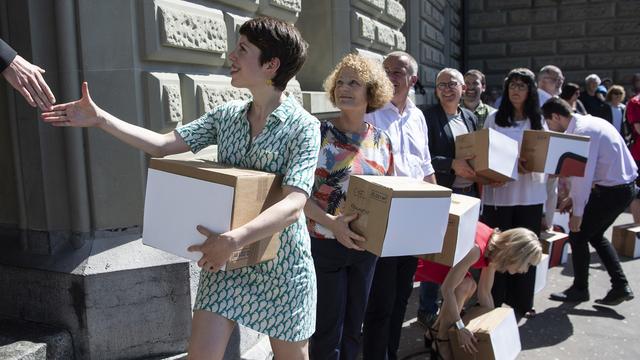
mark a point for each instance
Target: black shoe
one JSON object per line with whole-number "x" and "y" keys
{"x": 616, "y": 296}
{"x": 572, "y": 294}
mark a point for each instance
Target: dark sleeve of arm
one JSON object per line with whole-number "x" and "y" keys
{"x": 441, "y": 164}
{"x": 7, "y": 54}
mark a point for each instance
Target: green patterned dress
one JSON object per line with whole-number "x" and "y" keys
{"x": 277, "y": 297}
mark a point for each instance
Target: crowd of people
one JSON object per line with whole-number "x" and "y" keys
{"x": 323, "y": 296}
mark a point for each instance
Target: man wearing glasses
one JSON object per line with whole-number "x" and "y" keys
{"x": 445, "y": 121}
{"x": 550, "y": 80}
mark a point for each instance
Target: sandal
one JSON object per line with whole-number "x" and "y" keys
{"x": 435, "y": 351}
{"x": 433, "y": 334}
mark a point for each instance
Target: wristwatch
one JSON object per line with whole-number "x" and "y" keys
{"x": 459, "y": 324}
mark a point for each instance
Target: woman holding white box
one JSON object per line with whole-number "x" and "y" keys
{"x": 518, "y": 203}
{"x": 512, "y": 251}
{"x": 349, "y": 146}
{"x": 270, "y": 132}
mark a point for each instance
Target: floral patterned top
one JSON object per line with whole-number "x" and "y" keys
{"x": 343, "y": 154}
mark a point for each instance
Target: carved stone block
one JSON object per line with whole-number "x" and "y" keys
{"x": 248, "y": 5}
{"x": 401, "y": 41}
{"x": 385, "y": 35}
{"x": 508, "y": 34}
{"x": 396, "y": 11}
{"x": 608, "y": 27}
{"x": 540, "y": 47}
{"x": 490, "y": 50}
{"x": 586, "y": 45}
{"x": 287, "y": 10}
{"x": 533, "y": 16}
{"x": 507, "y": 64}
{"x": 566, "y": 30}
{"x": 487, "y": 19}
{"x": 363, "y": 29}
{"x": 431, "y": 56}
{"x": 432, "y": 15}
{"x": 431, "y": 35}
{"x": 164, "y": 102}
{"x": 584, "y": 12}
{"x": 614, "y": 60}
{"x": 507, "y": 4}
{"x": 183, "y": 32}
{"x": 569, "y": 62}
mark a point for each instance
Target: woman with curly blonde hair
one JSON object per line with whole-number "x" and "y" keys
{"x": 512, "y": 251}
{"x": 348, "y": 145}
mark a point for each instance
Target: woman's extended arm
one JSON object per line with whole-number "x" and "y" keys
{"x": 85, "y": 113}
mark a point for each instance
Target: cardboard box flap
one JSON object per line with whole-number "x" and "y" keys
{"x": 403, "y": 186}
{"x": 551, "y": 236}
{"x": 460, "y": 204}
{"x": 205, "y": 170}
{"x": 550, "y": 133}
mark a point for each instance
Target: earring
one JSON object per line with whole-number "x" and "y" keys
{"x": 269, "y": 82}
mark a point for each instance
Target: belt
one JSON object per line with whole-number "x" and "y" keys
{"x": 467, "y": 189}
{"x": 616, "y": 187}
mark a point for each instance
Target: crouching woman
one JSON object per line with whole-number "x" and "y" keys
{"x": 511, "y": 251}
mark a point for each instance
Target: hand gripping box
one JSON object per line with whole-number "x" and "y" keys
{"x": 625, "y": 240}
{"x": 183, "y": 194}
{"x": 398, "y": 215}
{"x": 555, "y": 153}
{"x": 495, "y": 155}
{"x": 496, "y": 331}
{"x": 461, "y": 230}
{"x": 556, "y": 245}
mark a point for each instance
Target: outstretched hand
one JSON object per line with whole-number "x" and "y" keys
{"x": 27, "y": 79}
{"x": 79, "y": 113}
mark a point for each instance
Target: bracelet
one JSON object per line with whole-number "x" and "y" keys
{"x": 459, "y": 324}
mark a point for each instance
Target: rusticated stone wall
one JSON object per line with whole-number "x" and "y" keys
{"x": 579, "y": 36}
{"x": 434, "y": 33}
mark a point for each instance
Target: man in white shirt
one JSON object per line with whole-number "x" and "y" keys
{"x": 393, "y": 279}
{"x": 596, "y": 200}
{"x": 550, "y": 80}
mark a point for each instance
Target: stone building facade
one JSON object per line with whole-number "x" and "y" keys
{"x": 71, "y": 200}
{"x": 579, "y": 36}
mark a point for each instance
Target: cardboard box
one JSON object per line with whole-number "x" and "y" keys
{"x": 556, "y": 245}
{"x": 398, "y": 215}
{"x": 542, "y": 269}
{"x": 555, "y": 153}
{"x": 183, "y": 194}
{"x": 496, "y": 331}
{"x": 496, "y": 155}
{"x": 461, "y": 230}
{"x": 625, "y": 240}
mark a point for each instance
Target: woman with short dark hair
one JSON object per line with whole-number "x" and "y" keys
{"x": 270, "y": 132}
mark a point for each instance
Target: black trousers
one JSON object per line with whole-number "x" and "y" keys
{"x": 602, "y": 209}
{"x": 514, "y": 290}
{"x": 344, "y": 278}
{"x": 390, "y": 291}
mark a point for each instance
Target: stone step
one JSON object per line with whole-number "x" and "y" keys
{"x": 23, "y": 340}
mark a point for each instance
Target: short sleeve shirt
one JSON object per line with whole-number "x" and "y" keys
{"x": 341, "y": 155}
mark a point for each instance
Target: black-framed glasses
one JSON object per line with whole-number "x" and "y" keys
{"x": 518, "y": 86}
{"x": 450, "y": 85}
